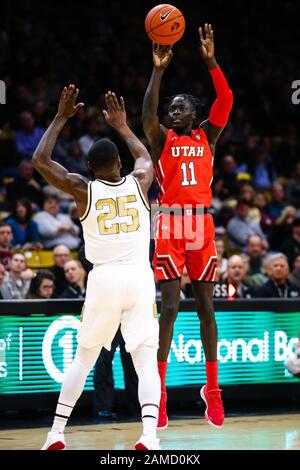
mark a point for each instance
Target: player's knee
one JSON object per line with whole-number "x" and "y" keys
{"x": 205, "y": 311}
{"x": 169, "y": 312}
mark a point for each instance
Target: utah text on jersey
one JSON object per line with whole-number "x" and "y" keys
{"x": 186, "y": 151}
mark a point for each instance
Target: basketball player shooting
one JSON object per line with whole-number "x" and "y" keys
{"x": 114, "y": 213}
{"x": 183, "y": 159}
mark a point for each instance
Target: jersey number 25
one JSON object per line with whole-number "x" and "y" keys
{"x": 117, "y": 208}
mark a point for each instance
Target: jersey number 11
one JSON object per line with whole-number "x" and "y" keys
{"x": 188, "y": 177}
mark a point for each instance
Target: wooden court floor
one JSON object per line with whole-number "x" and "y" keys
{"x": 275, "y": 432}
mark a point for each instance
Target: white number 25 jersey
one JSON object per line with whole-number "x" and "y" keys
{"x": 116, "y": 223}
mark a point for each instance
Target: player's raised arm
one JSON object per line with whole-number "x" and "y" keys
{"x": 221, "y": 108}
{"x": 155, "y": 132}
{"x": 53, "y": 172}
{"x": 115, "y": 116}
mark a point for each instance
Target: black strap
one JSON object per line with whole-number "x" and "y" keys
{"x": 181, "y": 211}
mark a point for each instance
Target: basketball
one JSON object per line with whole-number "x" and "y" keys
{"x": 165, "y": 24}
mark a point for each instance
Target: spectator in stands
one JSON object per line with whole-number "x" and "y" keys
{"x": 277, "y": 203}
{"x": 291, "y": 247}
{"x": 294, "y": 277}
{"x": 14, "y": 282}
{"x": 25, "y": 230}
{"x": 25, "y": 186}
{"x": 92, "y": 133}
{"x": 5, "y": 293}
{"x": 255, "y": 252}
{"x": 28, "y": 138}
{"x": 42, "y": 285}
{"x": 56, "y": 228}
{"x": 266, "y": 222}
{"x": 278, "y": 285}
{"x": 228, "y": 175}
{"x": 293, "y": 187}
{"x": 6, "y": 237}
{"x": 61, "y": 150}
{"x": 240, "y": 227}
{"x": 222, "y": 262}
{"x": 234, "y": 286}
{"x": 61, "y": 254}
{"x": 260, "y": 278}
{"x": 247, "y": 193}
{"x": 76, "y": 276}
{"x": 282, "y": 229}
{"x": 75, "y": 161}
{"x": 263, "y": 171}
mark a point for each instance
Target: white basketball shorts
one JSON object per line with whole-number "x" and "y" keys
{"x": 119, "y": 294}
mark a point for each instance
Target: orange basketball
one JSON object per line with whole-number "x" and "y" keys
{"x": 165, "y": 24}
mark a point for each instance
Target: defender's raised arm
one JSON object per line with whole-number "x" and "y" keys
{"x": 115, "y": 116}
{"x": 53, "y": 172}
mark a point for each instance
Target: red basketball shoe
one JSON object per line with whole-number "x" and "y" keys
{"x": 214, "y": 412}
{"x": 162, "y": 422}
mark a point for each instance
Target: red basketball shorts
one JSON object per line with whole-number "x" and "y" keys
{"x": 186, "y": 240}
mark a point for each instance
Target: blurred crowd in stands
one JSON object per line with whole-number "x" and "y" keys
{"x": 256, "y": 187}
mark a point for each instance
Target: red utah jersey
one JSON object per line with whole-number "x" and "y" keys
{"x": 185, "y": 169}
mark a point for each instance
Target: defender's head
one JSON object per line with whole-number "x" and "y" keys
{"x": 103, "y": 157}
{"x": 182, "y": 111}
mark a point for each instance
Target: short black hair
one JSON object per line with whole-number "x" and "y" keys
{"x": 196, "y": 104}
{"x": 103, "y": 154}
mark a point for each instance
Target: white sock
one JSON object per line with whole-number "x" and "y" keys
{"x": 73, "y": 385}
{"x": 145, "y": 363}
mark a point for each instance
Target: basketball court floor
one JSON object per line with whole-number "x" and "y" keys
{"x": 263, "y": 432}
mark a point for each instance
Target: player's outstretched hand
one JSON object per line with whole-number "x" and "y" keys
{"x": 162, "y": 56}
{"x": 67, "y": 107}
{"x": 115, "y": 115}
{"x": 207, "y": 45}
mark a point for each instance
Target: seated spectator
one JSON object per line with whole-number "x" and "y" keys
{"x": 28, "y": 138}
{"x": 6, "y": 237}
{"x": 14, "y": 282}
{"x": 260, "y": 278}
{"x": 282, "y": 229}
{"x": 278, "y": 285}
{"x": 75, "y": 161}
{"x": 263, "y": 170}
{"x": 25, "y": 230}
{"x": 266, "y": 222}
{"x": 42, "y": 285}
{"x": 294, "y": 277}
{"x": 234, "y": 286}
{"x": 241, "y": 227}
{"x": 291, "y": 247}
{"x": 61, "y": 254}
{"x": 277, "y": 203}
{"x": 228, "y": 174}
{"x": 56, "y": 228}
{"x": 255, "y": 252}
{"x": 247, "y": 193}
{"x": 293, "y": 187}
{"x": 92, "y": 134}
{"x": 5, "y": 293}
{"x": 222, "y": 262}
{"x": 75, "y": 275}
{"x": 25, "y": 186}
